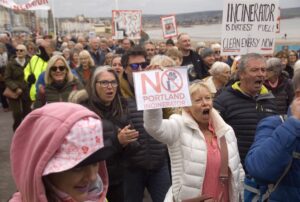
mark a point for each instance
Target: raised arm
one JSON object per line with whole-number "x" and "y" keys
{"x": 272, "y": 148}
{"x": 164, "y": 130}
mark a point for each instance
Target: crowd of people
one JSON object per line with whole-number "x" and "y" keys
{"x": 79, "y": 136}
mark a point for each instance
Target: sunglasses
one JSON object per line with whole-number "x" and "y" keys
{"x": 135, "y": 66}
{"x": 149, "y": 49}
{"x": 20, "y": 50}
{"x": 55, "y": 68}
{"x": 217, "y": 52}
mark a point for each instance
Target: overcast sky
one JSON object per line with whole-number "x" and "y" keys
{"x": 102, "y": 8}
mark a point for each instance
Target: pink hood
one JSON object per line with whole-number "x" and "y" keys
{"x": 33, "y": 146}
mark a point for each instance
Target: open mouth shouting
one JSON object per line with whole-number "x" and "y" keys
{"x": 205, "y": 113}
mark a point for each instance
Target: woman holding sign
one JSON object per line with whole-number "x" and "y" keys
{"x": 205, "y": 161}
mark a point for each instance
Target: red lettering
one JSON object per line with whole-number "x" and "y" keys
{"x": 156, "y": 86}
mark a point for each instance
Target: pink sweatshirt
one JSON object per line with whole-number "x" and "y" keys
{"x": 33, "y": 146}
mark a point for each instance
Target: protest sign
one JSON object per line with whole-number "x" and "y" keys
{"x": 126, "y": 23}
{"x": 169, "y": 26}
{"x": 249, "y": 26}
{"x": 31, "y": 5}
{"x": 161, "y": 89}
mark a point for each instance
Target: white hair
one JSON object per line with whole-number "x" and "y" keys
{"x": 218, "y": 67}
{"x": 215, "y": 46}
{"x": 297, "y": 66}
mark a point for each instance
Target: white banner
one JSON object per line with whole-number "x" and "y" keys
{"x": 31, "y": 5}
{"x": 249, "y": 26}
{"x": 169, "y": 26}
{"x": 162, "y": 89}
{"x": 127, "y": 23}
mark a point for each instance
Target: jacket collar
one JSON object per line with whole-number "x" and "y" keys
{"x": 219, "y": 125}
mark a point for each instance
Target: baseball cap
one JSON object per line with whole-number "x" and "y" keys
{"x": 82, "y": 146}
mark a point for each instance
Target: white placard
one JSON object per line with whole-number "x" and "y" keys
{"x": 169, "y": 26}
{"x": 249, "y": 26}
{"x": 30, "y": 5}
{"x": 161, "y": 88}
{"x": 127, "y": 23}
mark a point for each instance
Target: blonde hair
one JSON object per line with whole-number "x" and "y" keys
{"x": 194, "y": 87}
{"x": 51, "y": 62}
{"x": 162, "y": 61}
{"x": 85, "y": 53}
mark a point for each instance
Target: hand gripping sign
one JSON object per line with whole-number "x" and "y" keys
{"x": 162, "y": 89}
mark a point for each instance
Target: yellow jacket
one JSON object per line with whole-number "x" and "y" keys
{"x": 36, "y": 65}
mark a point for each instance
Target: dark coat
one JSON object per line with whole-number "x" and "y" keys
{"x": 198, "y": 70}
{"x": 243, "y": 113}
{"x": 79, "y": 72}
{"x": 270, "y": 154}
{"x": 147, "y": 153}
{"x": 52, "y": 93}
{"x": 14, "y": 75}
{"x": 283, "y": 92}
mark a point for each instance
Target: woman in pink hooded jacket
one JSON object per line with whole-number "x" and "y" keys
{"x": 57, "y": 155}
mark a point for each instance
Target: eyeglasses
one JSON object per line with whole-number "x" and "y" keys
{"x": 135, "y": 66}
{"x": 149, "y": 49}
{"x": 218, "y": 52}
{"x": 55, "y": 68}
{"x": 105, "y": 83}
{"x": 20, "y": 50}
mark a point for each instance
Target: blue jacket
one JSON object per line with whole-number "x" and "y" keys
{"x": 271, "y": 153}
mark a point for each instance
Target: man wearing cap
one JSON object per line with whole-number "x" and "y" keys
{"x": 146, "y": 161}
{"x": 191, "y": 58}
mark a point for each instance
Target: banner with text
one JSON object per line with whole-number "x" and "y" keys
{"x": 31, "y": 5}
{"x": 249, "y": 26}
{"x": 162, "y": 89}
{"x": 126, "y": 23}
{"x": 169, "y": 26}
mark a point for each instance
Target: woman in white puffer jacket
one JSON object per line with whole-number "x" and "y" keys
{"x": 193, "y": 140}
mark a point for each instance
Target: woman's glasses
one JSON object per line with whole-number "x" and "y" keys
{"x": 135, "y": 66}
{"x": 20, "y": 50}
{"x": 105, "y": 83}
{"x": 60, "y": 68}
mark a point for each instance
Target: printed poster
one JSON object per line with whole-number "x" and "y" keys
{"x": 169, "y": 26}
{"x": 127, "y": 23}
{"x": 249, "y": 26}
{"x": 162, "y": 89}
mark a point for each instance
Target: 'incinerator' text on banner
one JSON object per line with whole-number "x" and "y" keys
{"x": 161, "y": 89}
{"x": 249, "y": 26}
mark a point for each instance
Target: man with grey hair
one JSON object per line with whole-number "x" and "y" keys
{"x": 278, "y": 82}
{"x": 274, "y": 156}
{"x": 243, "y": 104}
{"x": 191, "y": 58}
{"x": 97, "y": 55}
{"x": 150, "y": 50}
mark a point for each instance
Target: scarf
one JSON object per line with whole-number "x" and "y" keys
{"x": 95, "y": 190}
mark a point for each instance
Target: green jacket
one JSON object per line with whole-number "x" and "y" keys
{"x": 51, "y": 94}
{"x": 14, "y": 75}
{"x": 36, "y": 66}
